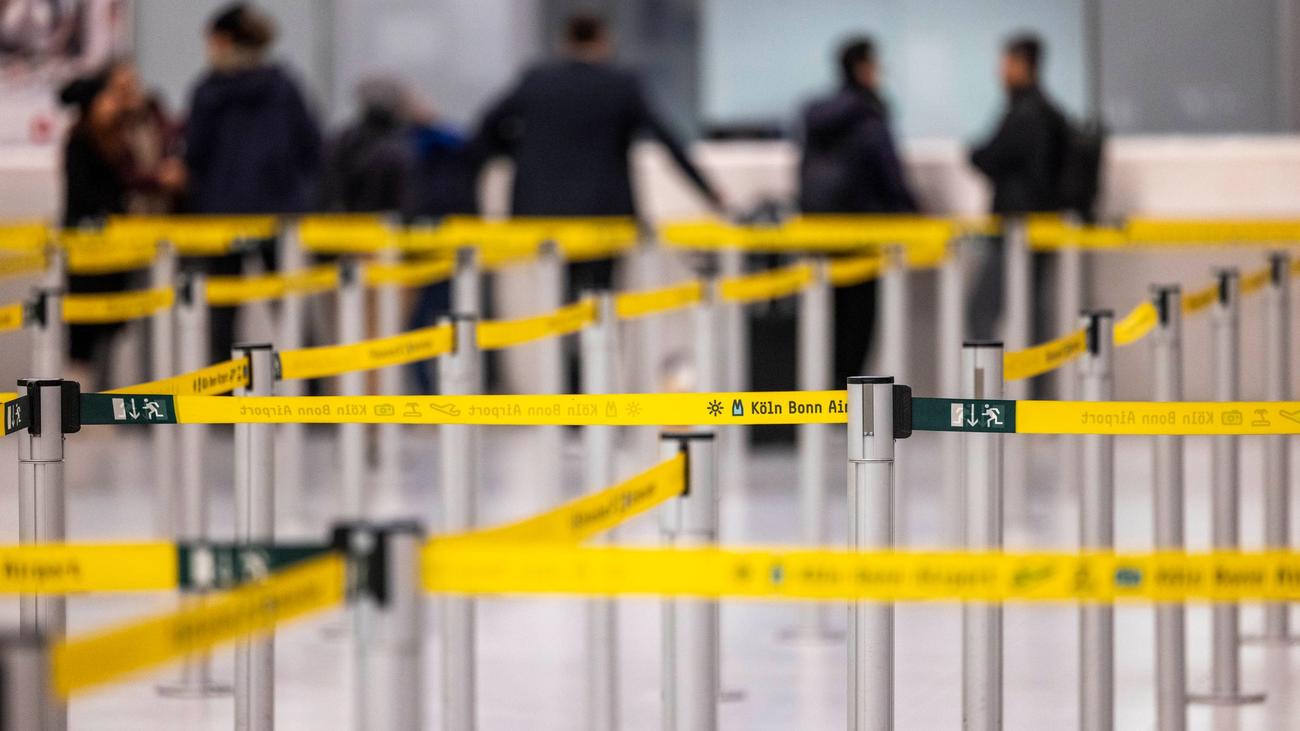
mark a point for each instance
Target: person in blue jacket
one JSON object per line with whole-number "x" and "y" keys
{"x": 251, "y": 143}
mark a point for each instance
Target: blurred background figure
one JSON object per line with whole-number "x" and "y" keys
{"x": 117, "y": 158}
{"x": 568, "y": 125}
{"x": 850, "y": 165}
{"x": 370, "y": 164}
{"x": 251, "y": 144}
{"x": 1025, "y": 161}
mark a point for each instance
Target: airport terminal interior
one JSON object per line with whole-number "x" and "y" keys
{"x": 392, "y": 365}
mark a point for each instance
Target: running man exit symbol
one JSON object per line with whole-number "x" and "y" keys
{"x": 992, "y": 416}
{"x": 737, "y": 407}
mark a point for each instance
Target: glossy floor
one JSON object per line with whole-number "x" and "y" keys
{"x": 531, "y": 651}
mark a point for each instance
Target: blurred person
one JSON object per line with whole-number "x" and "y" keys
{"x": 850, "y": 164}
{"x": 1024, "y": 160}
{"x": 370, "y": 164}
{"x": 251, "y": 144}
{"x": 569, "y": 125}
{"x": 100, "y": 174}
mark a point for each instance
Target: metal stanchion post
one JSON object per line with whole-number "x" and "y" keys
{"x": 1017, "y": 317}
{"x": 550, "y": 369}
{"x": 255, "y": 523}
{"x": 647, "y": 272}
{"x": 162, "y": 364}
{"x": 734, "y": 350}
{"x": 390, "y": 642}
{"x": 1069, "y": 290}
{"x": 1225, "y": 502}
{"x": 599, "y": 348}
{"x": 871, "y": 527}
{"x": 26, "y": 698}
{"x": 982, "y": 478}
{"x": 691, "y": 674}
{"x": 896, "y": 338}
{"x": 42, "y": 502}
{"x": 1277, "y": 459}
{"x": 1097, "y": 528}
{"x": 290, "y": 438}
{"x": 49, "y": 332}
{"x": 191, "y": 506}
{"x": 389, "y": 436}
{"x": 950, "y": 370}
{"x": 1171, "y": 632}
{"x": 814, "y": 373}
{"x": 706, "y": 326}
{"x": 459, "y": 374}
{"x": 465, "y": 283}
{"x": 352, "y": 436}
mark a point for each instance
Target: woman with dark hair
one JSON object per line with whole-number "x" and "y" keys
{"x": 251, "y": 145}
{"x": 100, "y": 175}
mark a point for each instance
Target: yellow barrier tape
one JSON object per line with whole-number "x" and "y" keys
{"x": 1136, "y": 324}
{"x": 116, "y": 306}
{"x": 1039, "y": 359}
{"x": 768, "y": 285}
{"x": 228, "y": 291}
{"x": 1255, "y": 281}
{"x": 722, "y": 409}
{"x": 1194, "y": 302}
{"x": 331, "y": 360}
{"x": 70, "y": 568}
{"x": 213, "y": 380}
{"x": 104, "y": 656}
{"x": 924, "y": 240}
{"x": 782, "y": 574}
{"x": 630, "y": 305}
{"x": 1295, "y": 267}
{"x": 190, "y": 235}
{"x": 846, "y": 272}
{"x": 344, "y": 234}
{"x": 497, "y": 334}
{"x": 409, "y": 274}
{"x": 1147, "y": 417}
{"x": 589, "y": 515}
{"x": 11, "y": 317}
{"x": 24, "y": 236}
{"x": 13, "y": 265}
{"x": 1051, "y": 233}
{"x": 666, "y": 409}
{"x": 508, "y": 241}
{"x": 1211, "y": 231}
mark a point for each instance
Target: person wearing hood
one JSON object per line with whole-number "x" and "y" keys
{"x": 851, "y": 165}
{"x": 251, "y": 144}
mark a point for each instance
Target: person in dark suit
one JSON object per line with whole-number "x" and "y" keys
{"x": 850, "y": 165}
{"x": 1024, "y": 160}
{"x": 568, "y": 125}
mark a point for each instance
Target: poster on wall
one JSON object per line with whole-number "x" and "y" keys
{"x": 43, "y": 44}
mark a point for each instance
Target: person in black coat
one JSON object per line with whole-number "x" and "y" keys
{"x": 850, "y": 164}
{"x": 568, "y": 125}
{"x": 1024, "y": 160}
{"x": 251, "y": 144}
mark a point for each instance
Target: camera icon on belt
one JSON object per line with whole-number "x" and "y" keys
{"x": 1232, "y": 418}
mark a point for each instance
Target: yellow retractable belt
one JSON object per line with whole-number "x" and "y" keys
{"x": 767, "y": 285}
{"x": 103, "y": 656}
{"x": 589, "y": 515}
{"x": 71, "y": 568}
{"x": 838, "y": 575}
{"x": 1033, "y": 361}
{"x": 213, "y": 380}
{"x": 344, "y": 234}
{"x": 116, "y": 306}
{"x": 189, "y": 235}
{"x": 498, "y": 334}
{"x": 1194, "y": 302}
{"x": 331, "y": 360}
{"x": 1150, "y": 417}
{"x": 11, "y": 317}
{"x": 1134, "y": 326}
{"x": 12, "y": 265}
{"x": 94, "y": 252}
{"x": 848, "y": 271}
{"x": 630, "y": 305}
{"x": 1255, "y": 281}
{"x": 24, "y": 236}
{"x": 228, "y": 291}
{"x": 1216, "y": 231}
{"x": 409, "y": 274}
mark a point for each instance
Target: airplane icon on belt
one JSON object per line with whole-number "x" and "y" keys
{"x": 1290, "y": 415}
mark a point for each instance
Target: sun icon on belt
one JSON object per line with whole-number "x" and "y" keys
{"x": 715, "y": 408}
{"x": 633, "y": 409}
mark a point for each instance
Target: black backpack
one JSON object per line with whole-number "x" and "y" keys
{"x": 1080, "y": 181}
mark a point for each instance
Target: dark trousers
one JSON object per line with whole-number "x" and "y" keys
{"x": 855, "y": 324}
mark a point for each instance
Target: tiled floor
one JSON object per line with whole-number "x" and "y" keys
{"x": 530, "y": 672}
